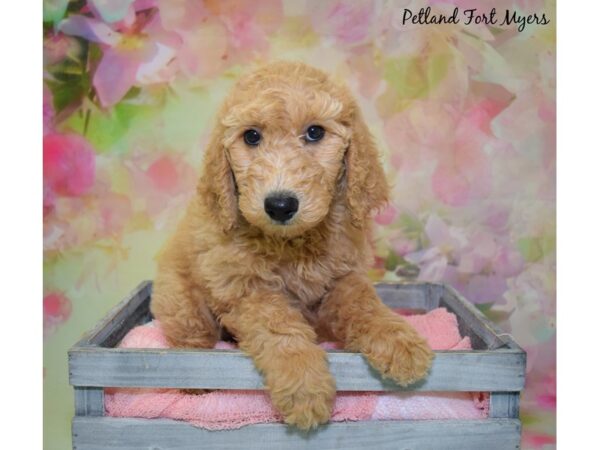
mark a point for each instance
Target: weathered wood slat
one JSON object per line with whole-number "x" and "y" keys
{"x": 89, "y": 401}
{"x": 132, "y": 311}
{"x": 409, "y": 296}
{"x": 502, "y": 370}
{"x": 472, "y": 321}
{"x": 504, "y": 404}
{"x": 114, "y": 434}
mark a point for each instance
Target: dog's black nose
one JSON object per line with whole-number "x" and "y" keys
{"x": 281, "y": 207}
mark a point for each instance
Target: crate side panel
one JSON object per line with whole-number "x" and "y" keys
{"x": 214, "y": 369}
{"x": 483, "y": 333}
{"x": 504, "y": 404}
{"x": 131, "y": 311}
{"x": 89, "y": 401}
{"x": 410, "y": 296}
{"x": 111, "y": 433}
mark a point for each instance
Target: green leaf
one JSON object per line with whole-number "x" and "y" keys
{"x": 69, "y": 81}
{"x": 531, "y": 248}
{"x": 392, "y": 261}
{"x": 54, "y": 10}
{"x": 414, "y": 77}
{"x": 410, "y": 225}
{"x": 498, "y": 316}
{"x": 528, "y": 418}
{"x": 107, "y": 129}
{"x": 69, "y": 89}
{"x": 484, "y": 307}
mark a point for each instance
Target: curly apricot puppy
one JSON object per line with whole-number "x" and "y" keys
{"x": 274, "y": 248}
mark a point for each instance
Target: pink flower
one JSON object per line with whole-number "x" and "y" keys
{"x": 205, "y": 51}
{"x": 57, "y": 310}
{"x": 58, "y": 46}
{"x": 348, "y": 22}
{"x": 444, "y": 237}
{"x": 182, "y": 14}
{"x": 413, "y": 140}
{"x": 136, "y": 50}
{"x": 48, "y": 110}
{"x": 402, "y": 245}
{"x": 473, "y": 261}
{"x": 482, "y": 113}
{"x": 432, "y": 262}
{"x": 245, "y": 38}
{"x": 366, "y": 70}
{"x": 508, "y": 262}
{"x": 248, "y": 25}
{"x": 485, "y": 289}
{"x": 541, "y": 441}
{"x": 163, "y": 173}
{"x": 204, "y": 35}
{"x": 387, "y": 216}
{"x": 163, "y": 184}
{"x": 113, "y": 212}
{"x": 456, "y": 148}
{"x": 546, "y": 397}
{"x": 464, "y": 173}
{"x": 451, "y": 184}
{"x": 106, "y": 215}
{"x": 218, "y": 34}
{"x": 69, "y": 167}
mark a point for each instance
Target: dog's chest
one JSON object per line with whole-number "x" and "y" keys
{"x": 304, "y": 286}
{"x": 307, "y": 281}
{"x": 308, "y": 278}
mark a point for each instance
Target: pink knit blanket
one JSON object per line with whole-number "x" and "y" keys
{"x": 229, "y": 409}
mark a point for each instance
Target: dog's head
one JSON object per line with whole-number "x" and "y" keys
{"x": 288, "y": 142}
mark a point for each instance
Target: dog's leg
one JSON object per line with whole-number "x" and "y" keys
{"x": 184, "y": 317}
{"x": 283, "y": 347}
{"x": 181, "y": 309}
{"x": 357, "y": 317}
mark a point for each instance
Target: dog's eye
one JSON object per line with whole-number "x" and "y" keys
{"x": 252, "y": 137}
{"x": 314, "y": 133}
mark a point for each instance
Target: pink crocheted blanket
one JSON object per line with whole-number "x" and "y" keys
{"x": 229, "y": 409}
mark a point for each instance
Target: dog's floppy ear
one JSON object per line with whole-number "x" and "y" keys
{"x": 217, "y": 184}
{"x": 366, "y": 187}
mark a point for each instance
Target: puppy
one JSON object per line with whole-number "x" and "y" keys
{"x": 274, "y": 248}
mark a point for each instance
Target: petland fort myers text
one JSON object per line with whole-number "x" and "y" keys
{"x": 502, "y": 18}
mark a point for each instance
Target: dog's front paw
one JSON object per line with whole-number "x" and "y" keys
{"x": 398, "y": 352}
{"x": 308, "y": 406}
{"x": 305, "y": 394}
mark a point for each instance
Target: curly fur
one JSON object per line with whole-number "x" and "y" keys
{"x": 280, "y": 288}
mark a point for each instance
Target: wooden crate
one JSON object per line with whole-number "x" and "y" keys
{"x": 496, "y": 365}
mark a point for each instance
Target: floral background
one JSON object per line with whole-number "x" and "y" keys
{"x": 464, "y": 116}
